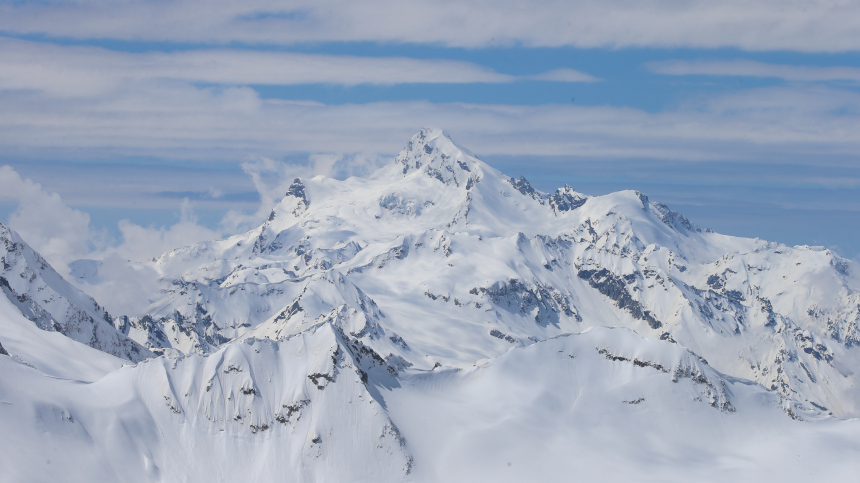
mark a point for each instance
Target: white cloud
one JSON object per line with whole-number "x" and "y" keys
{"x": 181, "y": 121}
{"x": 157, "y": 185}
{"x": 123, "y": 288}
{"x": 802, "y": 25}
{"x": 272, "y": 178}
{"x": 63, "y": 234}
{"x": 93, "y": 71}
{"x": 565, "y": 75}
{"x": 60, "y": 233}
{"x": 750, "y": 68}
{"x": 142, "y": 243}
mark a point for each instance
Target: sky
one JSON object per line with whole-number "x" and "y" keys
{"x": 130, "y": 128}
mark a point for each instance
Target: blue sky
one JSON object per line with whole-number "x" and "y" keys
{"x": 154, "y": 120}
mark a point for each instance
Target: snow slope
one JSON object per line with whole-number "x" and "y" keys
{"x": 607, "y": 406}
{"x": 39, "y": 293}
{"x": 49, "y": 351}
{"x": 318, "y": 407}
{"x": 294, "y": 410}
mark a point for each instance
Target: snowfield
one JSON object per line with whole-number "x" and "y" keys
{"x": 440, "y": 321}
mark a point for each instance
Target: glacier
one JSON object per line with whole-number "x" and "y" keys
{"x": 441, "y": 321}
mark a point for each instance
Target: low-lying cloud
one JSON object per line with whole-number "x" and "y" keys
{"x": 61, "y": 233}
{"x": 65, "y": 236}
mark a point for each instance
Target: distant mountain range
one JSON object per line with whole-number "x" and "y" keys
{"x": 440, "y": 321}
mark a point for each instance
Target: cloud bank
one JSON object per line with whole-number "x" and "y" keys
{"x": 182, "y": 121}
{"x": 75, "y": 71}
{"x": 800, "y": 25}
{"x": 64, "y": 235}
{"x": 61, "y": 233}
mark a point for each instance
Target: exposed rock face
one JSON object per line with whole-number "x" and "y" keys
{"x": 566, "y": 199}
{"x": 615, "y": 288}
{"x": 297, "y": 190}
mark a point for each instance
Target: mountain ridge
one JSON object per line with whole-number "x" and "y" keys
{"x": 567, "y": 260}
{"x": 53, "y": 304}
{"x": 441, "y": 321}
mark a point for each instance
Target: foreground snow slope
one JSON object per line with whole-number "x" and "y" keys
{"x": 319, "y": 407}
{"x": 607, "y": 406}
{"x": 295, "y": 410}
{"x": 450, "y": 261}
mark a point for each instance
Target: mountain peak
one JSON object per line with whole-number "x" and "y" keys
{"x": 431, "y": 151}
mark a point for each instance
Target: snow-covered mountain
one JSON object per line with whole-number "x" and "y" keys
{"x": 439, "y": 258}
{"x": 440, "y": 321}
{"x": 40, "y": 294}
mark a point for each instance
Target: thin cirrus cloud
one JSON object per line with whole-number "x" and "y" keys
{"x": 563, "y": 75}
{"x": 184, "y": 121}
{"x": 750, "y": 68}
{"x": 799, "y": 25}
{"x": 77, "y": 70}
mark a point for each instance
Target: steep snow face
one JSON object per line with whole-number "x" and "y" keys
{"x": 39, "y": 293}
{"x": 50, "y": 351}
{"x": 449, "y": 261}
{"x": 294, "y": 410}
